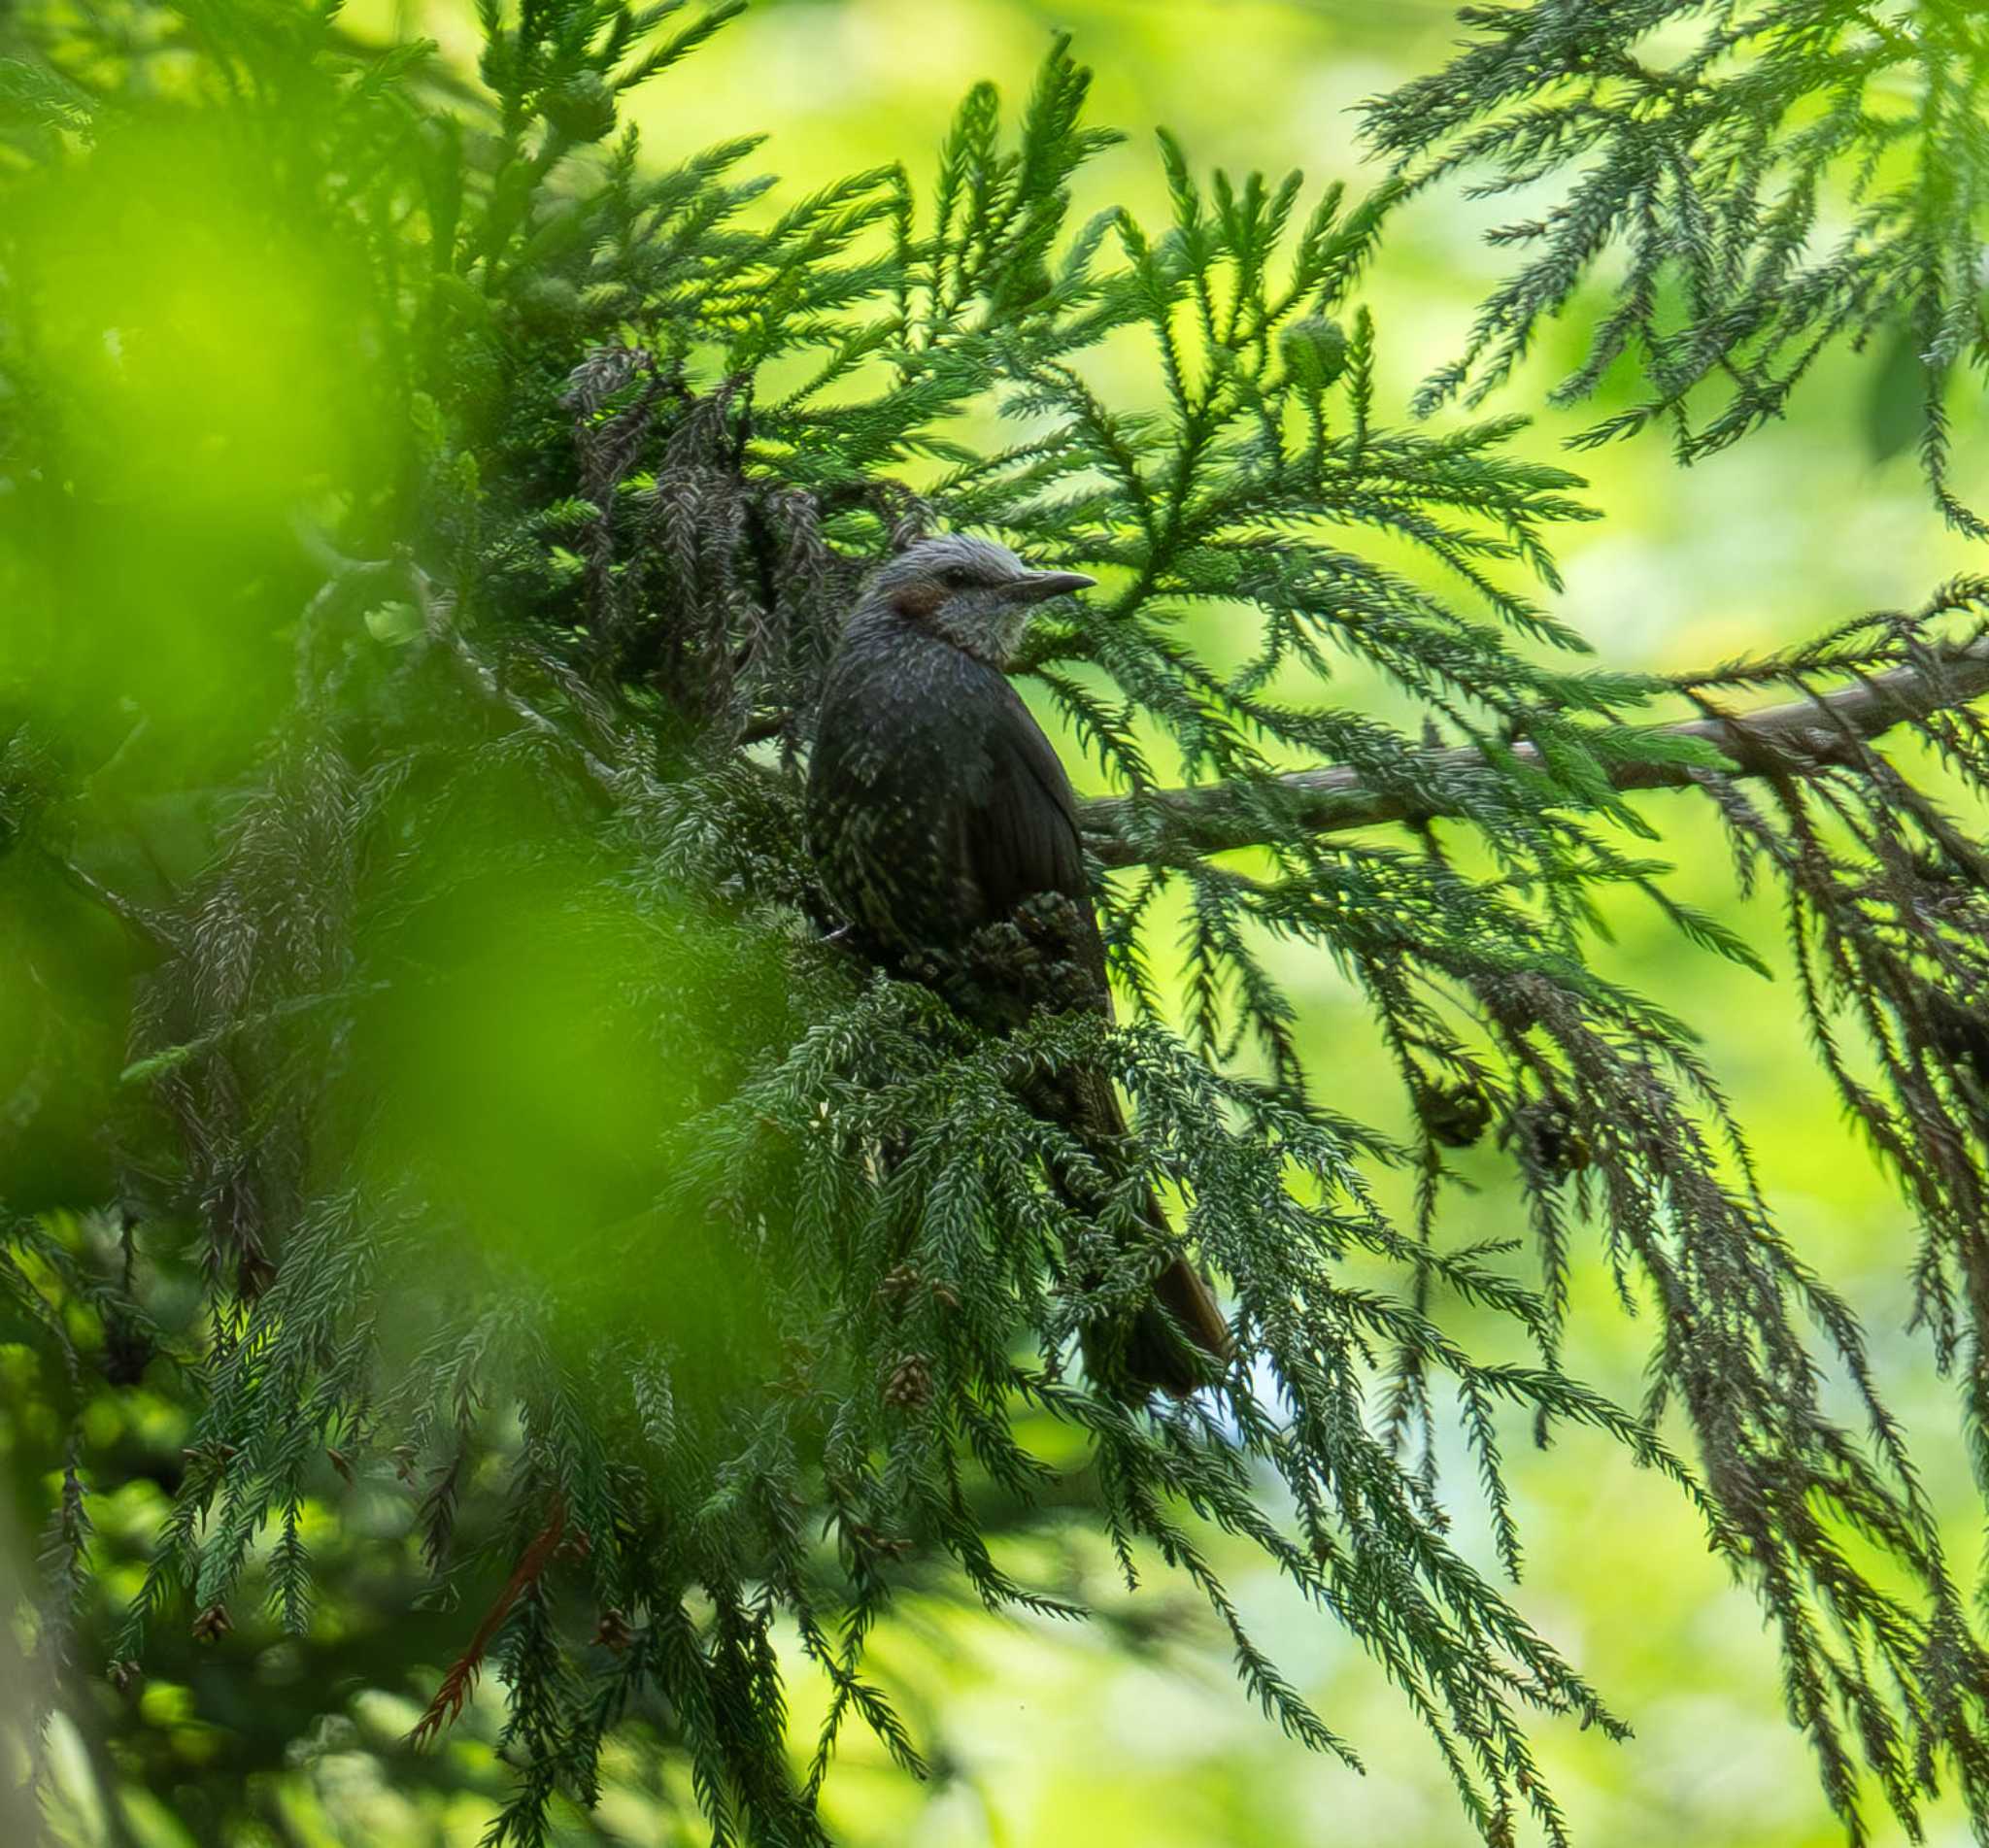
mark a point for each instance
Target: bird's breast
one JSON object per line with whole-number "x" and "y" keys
{"x": 900, "y": 761}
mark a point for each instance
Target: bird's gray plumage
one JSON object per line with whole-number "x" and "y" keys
{"x": 937, "y": 808}
{"x": 935, "y": 802}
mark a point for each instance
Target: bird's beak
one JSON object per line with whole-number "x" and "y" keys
{"x": 1040, "y": 585}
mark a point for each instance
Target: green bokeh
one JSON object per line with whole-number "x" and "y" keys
{"x": 201, "y": 365}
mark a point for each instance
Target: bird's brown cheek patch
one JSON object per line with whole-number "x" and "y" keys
{"x": 916, "y": 601}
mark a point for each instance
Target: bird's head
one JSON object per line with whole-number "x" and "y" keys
{"x": 971, "y": 593}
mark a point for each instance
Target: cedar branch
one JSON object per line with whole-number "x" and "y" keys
{"x": 142, "y": 924}
{"x": 460, "y": 1683}
{"x": 1799, "y": 737}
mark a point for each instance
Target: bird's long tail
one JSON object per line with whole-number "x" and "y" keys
{"x": 1180, "y": 1340}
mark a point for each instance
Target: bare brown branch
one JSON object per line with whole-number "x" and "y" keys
{"x": 1797, "y": 737}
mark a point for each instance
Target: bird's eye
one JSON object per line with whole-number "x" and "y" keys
{"x": 956, "y": 578}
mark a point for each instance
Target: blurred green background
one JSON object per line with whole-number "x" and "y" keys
{"x": 1132, "y": 1731}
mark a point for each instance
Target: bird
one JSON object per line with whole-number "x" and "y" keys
{"x": 941, "y": 821}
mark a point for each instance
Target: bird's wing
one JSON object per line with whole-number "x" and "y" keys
{"x": 1022, "y": 838}
{"x": 1021, "y": 843}
{"x": 1024, "y": 834}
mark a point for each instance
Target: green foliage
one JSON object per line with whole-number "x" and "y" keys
{"x": 1777, "y": 177}
{"x": 494, "y": 1124}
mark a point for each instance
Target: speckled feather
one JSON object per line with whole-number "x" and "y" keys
{"x": 937, "y": 807}
{"x": 935, "y": 802}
